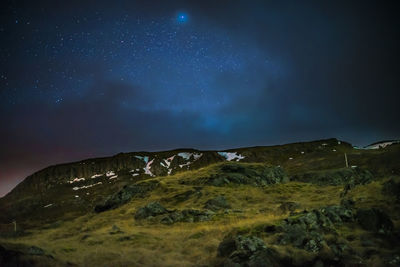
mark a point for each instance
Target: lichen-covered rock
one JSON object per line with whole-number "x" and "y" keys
{"x": 346, "y": 176}
{"x": 246, "y": 251}
{"x": 126, "y": 194}
{"x": 305, "y": 230}
{"x": 234, "y": 173}
{"x": 217, "y": 203}
{"x": 150, "y": 210}
{"x": 374, "y": 220}
{"x": 187, "y": 215}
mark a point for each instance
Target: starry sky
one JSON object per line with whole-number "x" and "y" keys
{"x": 82, "y": 79}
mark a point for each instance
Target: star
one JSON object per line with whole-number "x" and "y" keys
{"x": 182, "y": 17}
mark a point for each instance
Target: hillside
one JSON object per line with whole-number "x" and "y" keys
{"x": 289, "y": 205}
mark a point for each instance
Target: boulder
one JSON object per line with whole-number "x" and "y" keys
{"x": 349, "y": 177}
{"x": 246, "y": 251}
{"x": 392, "y": 188}
{"x": 217, "y": 203}
{"x": 288, "y": 206}
{"x": 150, "y": 210}
{"x": 374, "y": 220}
{"x": 187, "y": 215}
{"x": 234, "y": 173}
{"x": 305, "y": 230}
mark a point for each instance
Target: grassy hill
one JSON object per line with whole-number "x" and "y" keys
{"x": 289, "y": 205}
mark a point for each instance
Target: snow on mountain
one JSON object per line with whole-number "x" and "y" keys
{"x": 85, "y": 186}
{"x": 76, "y": 180}
{"x": 148, "y": 167}
{"x": 231, "y": 156}
{"x": 382, "y": 144}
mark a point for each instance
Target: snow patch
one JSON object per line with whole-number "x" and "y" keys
{"x": 187, "y": 156}
{"x": 96, "y": 175}
{"x": 77, "y": 180}
{"x": 148, "y": 167}
{"x": 145, "y": 158}
{"x": 302, "y": 152}
{"x": 85, "y": 186}
{"x": 113, "y": 177}
{"x": 186, "y": 164}
{"x": 110, "y": 173}
{"x": 135, "y": 174}
{"x": 382, "y": 145}
{"x": 48, "y": 205}
{"x": 164, "y": 165}
{"x": 231, "y": 156}
{"x": 169, "y": 160}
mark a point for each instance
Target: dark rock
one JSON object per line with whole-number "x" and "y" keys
{"x": 349, "y": 177}
{"x": 115, "y": 230}
{"x": 246, "y": 251}
{"x": 33, "y": 250}
{"x": 347, "y": 202}
{"x": 186, "y": 195}
{"x": 305, "y": 230}
{"x": 288, "y": 207}
{"x": 188, "y": 215}
{"x": 392, "y": 188}
{"x": 151, "y": 209}
{"x": 126, "y": 194}
{"x": 235, "y": 173}
{"x": 217, "y": 203}
{"x": 374, "y": 220}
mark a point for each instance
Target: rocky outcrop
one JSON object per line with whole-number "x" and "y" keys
{"x": 305, "y": 230}
{"x": 392, "y": 188}
{"x": 346, "y": 176}
{"x": 249, "y": 251}
{"x": 233, "y": 173}
{"x": 123, "y": 196}
{"x": 217, "y": 203}
{"x": 155, "y": 210}
{"x": 150, "y": 210}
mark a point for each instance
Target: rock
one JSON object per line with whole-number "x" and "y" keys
{"x": 33, "y": 250}
{"x": 374, "y": 220}
{"x": 347, "y": 202}
{"x": 217, "y": 203}
{"x": 289, "y": 206}
{"x": 246, "y": 251}
{"x": 305, "y": 230}
{"x": 392, "y": 188}
{"x": 349, "y": 177}
{"x": 126, "y": 194}
{"x": 187, "y": 215}
{"x": 115, "y": 230}
{"x": 151, "y": 209}
{"x": 234, "y": 173}
{"x": 186, "y": 195}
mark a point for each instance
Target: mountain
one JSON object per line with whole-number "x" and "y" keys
{"x": 287, "y": 205}
{"x": 382, "y": 144}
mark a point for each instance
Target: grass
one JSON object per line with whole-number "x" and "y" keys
{"x": 86, "y": 240}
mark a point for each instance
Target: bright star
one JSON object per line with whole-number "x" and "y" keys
{"x": 182, "y": 17}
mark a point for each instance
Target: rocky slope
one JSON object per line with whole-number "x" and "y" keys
{"x": 289, "y": 205}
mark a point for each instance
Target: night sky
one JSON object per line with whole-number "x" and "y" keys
{"x": 80, "y": 80}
